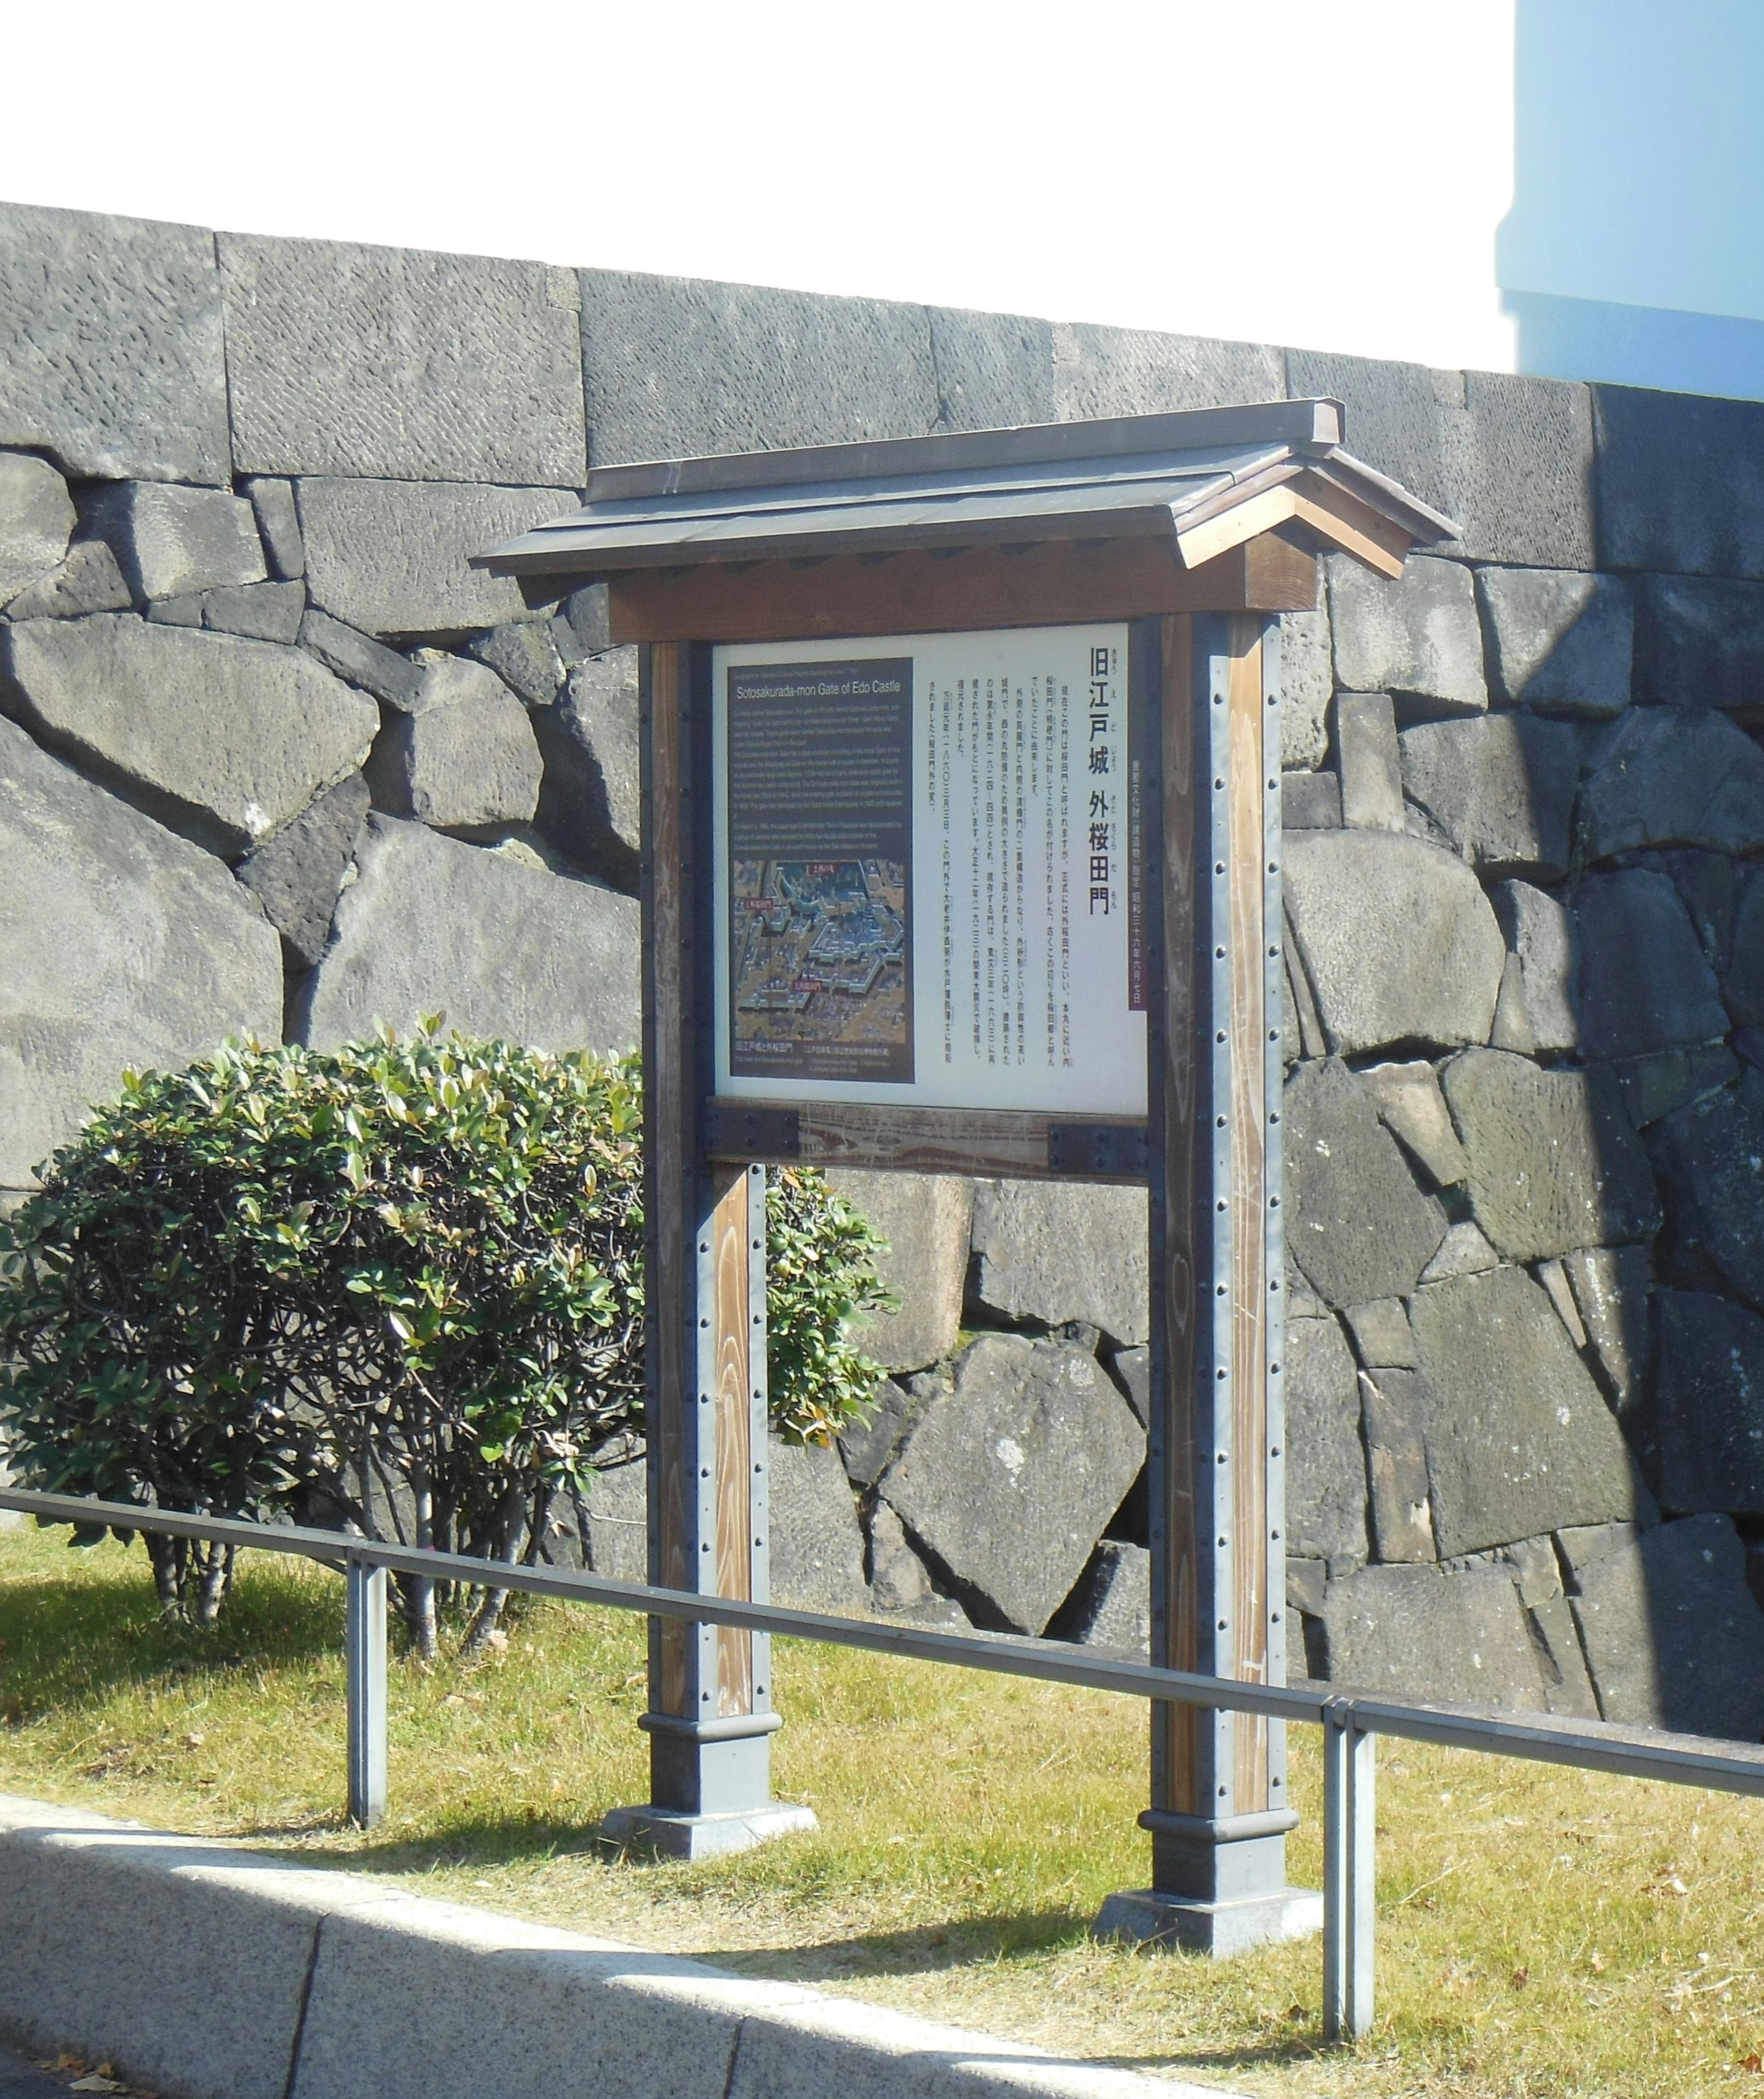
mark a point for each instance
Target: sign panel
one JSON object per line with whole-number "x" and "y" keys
{"x": 928, "y": 872}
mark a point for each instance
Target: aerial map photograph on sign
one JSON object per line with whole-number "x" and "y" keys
{"x": 928, "y": 872}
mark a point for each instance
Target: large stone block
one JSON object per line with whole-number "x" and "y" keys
{"x": 994, "y": 371}
{"x": 400, "y": 364}
{"x": 296, "y": 875}
{"x": 1710, "y": 1404}
{"x": 1672, "y": 1634}
{"x": 1554, "y": 1162}
{"x": 171, "y": 542}
{"x": 89, "y": 580}
{"x": 390, "y": 556}
{"x": 1678, "y": 488}
{"x": 1009, "y": 1477}
{"x": 1509, "y": 458}
{"x": 676, "y": 366}
{"x": 1139, "y": 371}
{"x": 1644, "y": 984}
{"x": 1418, "y": 637}
{"x": 111, "y": 356}
{"x": 1307, "y": 682}
{"x": 434, "y": 926}
{"x": 815, "y": 1543}
{"x": 1558, "y": 639}
{"x": 120, "y": 945}
{"x": 926, "y": 1219}
{"x": 590, "y": 803}
{"x": 1359, "y": 1226}
{"x": 1670, "y": 777}
{"x": 37, "y": 521}
{"x": 1502, "y": 788}
{"x": 1398, "y": 940}
{"x": 225, "y": 740}
{"x": 1057, "y": 1251}
{"x": 466, "y": 758}
{"x": 1700, "y": 643}
{"x": 1542, "y": 938}
{"x": 1711, "y": 1157}
{"x": 1520, "y": 1441}
{"x": 1326, "y": 1465}
{"x": 1417, "y": 1633}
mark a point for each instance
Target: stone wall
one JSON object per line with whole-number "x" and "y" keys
{"x": 273, "y": 758}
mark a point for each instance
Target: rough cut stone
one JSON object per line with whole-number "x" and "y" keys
{"x": 279, "y": 527}
{"x": 1669, "y": 1079}
{"x": 1359, "y": 1226}
{"x": 111, "y": 356}
{"x": 1310, "y": 802}
{"x": 1398, "y": 939}
{"x": 1143, "y": 371}
{"x": 582, "y": 626}
{"x": 1711, "y": 1157}
{"x": 899, "y": 1579}
{"x": 170, "y": 542}
{"x": 1326, "y": 1467}
{"x": 224, "y": 739}
{"x": 401, "y": 364}
{"x": 433, "y": 925}
{"x": 1674, "y": 777}
{"x": 1307, "y": 681}
{"x": 1612, "y": 1287}
{"x": 617, "y": 1523}
{"x": 1411, "y": 1106}
{"x": 1678, "y": 486}
{"x": 590, "y": 802}
{"x": 186, "y": 611}
{"x": 1462, "y": 1251}
{"x": 1416, "y": 1634}
{"x": 1543, "y": 942}
{"x": 1554, "y": 1162}
{"x": 1558, "y": 639}
{"x": 1371, "y": 769}
{"x": 1009, "y": 1477}
{"x": 1056, "y": 1250}
{"x": 1519, "y": 1439}
{"x": 677, "y": 366}
{"x": 1552, "y": 1275}
{"x": 1568, "y": 1689}
{"x": 1644, "y": 984}
{"x": 376, "y": 669}
{"x": 1743, "y": 986}
{"x": 464, "y": 762}
{"x": 1133, "y": 1374}
{"x": 866, "y": 1446}
{"x": 37, "y": 521}
{"x": 1382, "y": 1338}
{"x": 926, "y": 1219}
{"x": 1502, "y": 788}
{"x": 1417, "y": 636}
{"x": 815, "y": 1544}
{"x": 120, "y": 944}
{"x": 392, "y": 557}
{"x": 1710, "y": 1404}
{"x": 261, "y": 612}
{"x": 1392, "y": 1406}
{"x": 994, "y": 371}
{"x": 296, "y": 874}
{"x": 1672, "y": 1632}
{"x": 523, "y": 655}
{"x": 89, "y": 580}
{"x": 1700, "y": 643}
{"x": 1111, "y": 1605}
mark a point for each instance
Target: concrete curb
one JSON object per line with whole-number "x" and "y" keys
{"x": 214, "y": 1973}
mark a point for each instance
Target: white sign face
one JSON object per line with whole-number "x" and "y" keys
{"x": 928, "y": 887}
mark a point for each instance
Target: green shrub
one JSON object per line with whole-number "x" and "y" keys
{"x": 400, "y": 1282}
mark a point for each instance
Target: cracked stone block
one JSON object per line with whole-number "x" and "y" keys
{"x": 89, "y": 580}
{"x": 465, "y": 758}
{"x": 1009, "y": 1477}
{"x": 1710, "y": 1404}
{"x": 1360, "y": 1227}
{"x": 171, "y": 542}
{"x": 223, "y": 739}
{"x": 1543, "y": 942}
{"x": 1111, "y": 1605}
{"x": 1398, "y": 940}
{"x": 1417, "y": 1633}
{"x": 279, "y": 527}
{"x": 1673, "y": 777}
{"x": 1057, "y": 1251}
{"x": 1393, "y": 1415}
{"x": 590, "y": 800}
{"x": 1326, "y": 1467}
{"x": 297, "y": 875}
{"x": 1411, "y": 1106}
{"x": 1417, "y": 637}
{"x": 37, "y": 521}
{"x": 1644, "y": 982}
{"x": 1371, "y": 768}
{"x": 1501, "y": 787}
{"x": 1554, "y": 1162}
{"x": 1710, "y": 1159}
{"x": 1558, "y": 639}
{"x": 926, "y": 1219}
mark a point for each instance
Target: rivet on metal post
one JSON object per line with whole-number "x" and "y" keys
{"x": 364, "y": 1651}
{"x": 1350, "y": 1871}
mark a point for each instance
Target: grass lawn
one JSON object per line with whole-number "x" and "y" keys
{"x": 1540, "y": 1932}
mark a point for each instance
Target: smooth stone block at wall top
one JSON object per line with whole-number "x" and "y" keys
{"x": 926, "y": 1220}
{"x": 1140, "y": 372}
{"x": 994, "y": 371}
{"x": 120, "y": 944}
{"x": 1558, "y": 639}
{"x": 36, "y": 519}
{"x": 1501, "y": 787}
{"x": 431, "y": 924}
{"x": 1058, "y": 1251}
{"x": 392, "y": 557}
{"x": 1678, "y": 488}
{"x": 676, "y": 366}
{"x": 224, "y": 739}
{"x": 1672, "y": 777}
{"x": 1417, "y": 636}
{"x": 111, "y": 356}
{"x": 1415, "y": 1634}
{"x": 401, "y": 364}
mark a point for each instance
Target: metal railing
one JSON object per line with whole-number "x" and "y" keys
{"x": 1351, "y": 1721}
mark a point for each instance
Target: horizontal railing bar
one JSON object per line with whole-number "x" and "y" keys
{"x": 1537, "y": 1738}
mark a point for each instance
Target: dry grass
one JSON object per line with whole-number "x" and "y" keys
{"x": 1540, "y": 1932}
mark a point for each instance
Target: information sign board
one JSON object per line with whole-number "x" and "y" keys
{"x": 928, "y": 861}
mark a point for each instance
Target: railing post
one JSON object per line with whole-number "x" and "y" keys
{"x": 365, "y": 1652}
{"x": 1350, "y": 1838}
